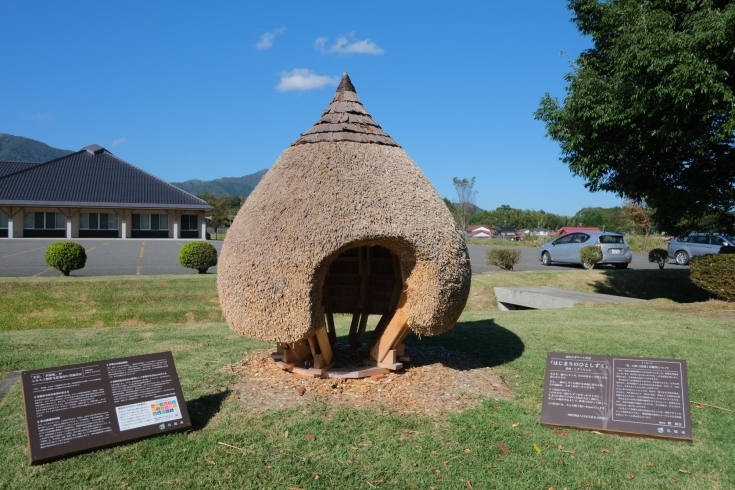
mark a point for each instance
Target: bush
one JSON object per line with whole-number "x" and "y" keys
{"x": 590, "y": 256}
{"x": 198, "y": 255}
{"x": 715, "y": 273}
{"x": 505, "y": 258}
{"x": 66, "y": 256}
{"x": 658, "y": 255}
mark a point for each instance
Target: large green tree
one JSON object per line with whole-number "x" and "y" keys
{"x": 649, "y": 112}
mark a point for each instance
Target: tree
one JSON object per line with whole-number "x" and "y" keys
{"x": 452, "y": 208}
{"x": 642, "y": 218}
{"x": 505, "y": 215}
{"x": 219, "y": 216}
{"x": 466, "y": 197}
{"x": 648, "y": 113}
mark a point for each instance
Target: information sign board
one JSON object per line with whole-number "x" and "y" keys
{"x": 626, "y": 395}
{"x": 77, "y": 408}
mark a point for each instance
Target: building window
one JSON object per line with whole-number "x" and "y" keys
{"x": 98, "y": 221}
{"x": 44, "y": 221}
{"x": 189, "y": 222}
{"x": 3, "y": 220}
{"x": 150, "y": 221}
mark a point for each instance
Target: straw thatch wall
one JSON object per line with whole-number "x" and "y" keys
{"x": 320, "y": 199}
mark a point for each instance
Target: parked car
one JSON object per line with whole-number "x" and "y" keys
{"x": 566, "y": 249}
{"x": 684, "y": 249}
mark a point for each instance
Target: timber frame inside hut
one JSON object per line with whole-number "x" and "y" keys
{"x": 361, "y": 281}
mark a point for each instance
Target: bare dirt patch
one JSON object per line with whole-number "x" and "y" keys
{"x": 436, "y": 381}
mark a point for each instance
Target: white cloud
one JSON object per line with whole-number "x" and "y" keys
{"x": 344, "y": 46}
{"x": 266, "y": 40}
{"x": 118, "y": 141}
{"x": 303, "y": 79}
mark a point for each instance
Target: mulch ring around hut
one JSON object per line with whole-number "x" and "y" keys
{"x": 436, "y": 381}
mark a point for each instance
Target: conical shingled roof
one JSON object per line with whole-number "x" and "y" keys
{"x": 346, "y": 120}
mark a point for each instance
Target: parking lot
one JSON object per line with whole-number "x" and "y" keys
{"x": 25, "y": 258}
{"x": 105, "y": 257}
{"x": 530, "y": 262}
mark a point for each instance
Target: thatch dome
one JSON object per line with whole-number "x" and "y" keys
{"x": 343, "y": 184}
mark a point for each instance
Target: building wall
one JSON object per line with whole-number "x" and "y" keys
{"x": 76, "y": 232}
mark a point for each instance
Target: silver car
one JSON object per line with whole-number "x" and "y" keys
{"x": 684, "y": 249}
{"x": 566, "y": 249}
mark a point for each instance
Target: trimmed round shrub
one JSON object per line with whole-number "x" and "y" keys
{"x": 590, "y": 256}
{"x": 198, "y": 255}
{"x": 66, "y": 256}
{"x": 658, "y": 255}
{"x": 505, "y": 258}
{"x": 715, "y": 273}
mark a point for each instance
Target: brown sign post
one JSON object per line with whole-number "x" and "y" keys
{"x": 77, "y": 408}
{"x": 624, "y": 395}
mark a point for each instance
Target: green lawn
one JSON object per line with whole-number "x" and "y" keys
{"x": 377, "y": 448}
{"x": 78, "y": 302}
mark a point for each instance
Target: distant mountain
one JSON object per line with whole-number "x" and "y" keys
{"x": 226, "y": 186}
{"x": 20, "y": 149}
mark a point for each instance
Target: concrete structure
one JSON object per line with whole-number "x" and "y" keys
{"x": 94, "y": 194}
{"x": 545, "y": 298}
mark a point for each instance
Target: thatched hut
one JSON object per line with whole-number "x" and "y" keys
{"x": 344, "y": 222}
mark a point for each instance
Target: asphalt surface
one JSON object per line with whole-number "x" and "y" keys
{"x": 105, "y": 257}
{"x": 530, "y": 261}
{"x": 25, "y": 257}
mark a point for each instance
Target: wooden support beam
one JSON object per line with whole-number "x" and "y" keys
{"x": 325, "y": 347}
{"x": 363, "y": 302}
{"x": 380, "y": 327}
{"x": 318, "y": 363}
{"x": 401, "y": 350}
{"x": 363, "y": 325}
{"x": 331, "y": 330}
{"x": 296, "y": 352}
{"x": 313, "y": 346}
{"x": 353, "y": 331}
{"x": 394, "y": 333}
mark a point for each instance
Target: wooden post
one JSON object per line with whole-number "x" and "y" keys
{"x": 296, "y": 352}
{"x": 394, "y": 334}
{"x": 325, "y": 347}
{"x": 353, "y": 331}
{"x": 331, "y": 330}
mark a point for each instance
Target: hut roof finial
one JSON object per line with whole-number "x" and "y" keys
{"x": 346, "y": 120}
{"x": 346, "y": 84}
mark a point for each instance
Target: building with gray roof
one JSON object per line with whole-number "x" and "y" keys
{"x": 92, "y": 193}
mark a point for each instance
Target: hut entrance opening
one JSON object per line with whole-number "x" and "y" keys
{"x": 362, "y": 281}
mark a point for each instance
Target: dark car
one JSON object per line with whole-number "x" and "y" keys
{"x": 567, "y": 249}
{"x": 684, "y": 249}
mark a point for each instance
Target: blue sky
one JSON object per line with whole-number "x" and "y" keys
{"x": 192, "y": 90}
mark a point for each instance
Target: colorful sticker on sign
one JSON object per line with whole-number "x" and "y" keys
{"x": 147, "y": 413}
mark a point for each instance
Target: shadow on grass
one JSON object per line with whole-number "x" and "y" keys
{"x": 491, "y": 343}
{"x": 670, "y": 284}
{"x": 469, "y": 345}
{"x": 204, "y": 408}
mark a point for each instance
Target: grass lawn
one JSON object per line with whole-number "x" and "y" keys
{"x": 78, "y": 302}
{"x": 372, "y": 448}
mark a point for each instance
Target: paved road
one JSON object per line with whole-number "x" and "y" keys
{"x": 530, "y": 262}
{"x": 25, "y": 257}
{"x": 105, "y": 257}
